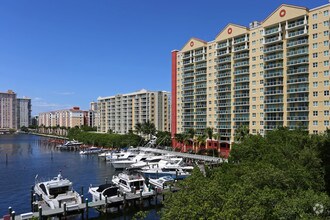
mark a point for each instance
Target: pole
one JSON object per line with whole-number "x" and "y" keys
{"x": 13, "y": 215}
{"x": 10, "y": 210}
{"x": 40, "y": 212}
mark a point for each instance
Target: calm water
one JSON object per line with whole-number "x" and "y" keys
{"x": 28, "y": 157}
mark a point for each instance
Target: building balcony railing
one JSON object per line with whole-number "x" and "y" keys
{"x": 273, "y": 57}
{"x": 241, "y": 119}
{"x": 273, "y": 74}
{"x": 298, "y": 90}
{"x": 224, "y": 82}
{"x": 300, "y": 70}
{"x": 223, "y": 60}
{"x": 222, "y": 45}
{"x": 297, "y": 118}
{"x": 223, "y": 53}
{"x": 272, "y": 31}
{"x": 296, "y": 24}
{"x": 240, "y": 64}
{"x": 242, "y": 79}
{"x": 201, "y": 72}
{"x": 241, "y": 48}
{"x": 298, "y": 52}
{"x": 223, "y": 112}
{"x": 297, "y": 62}
{"x": 241, "y": 72}
{"x": 298, "y": 99}
{"x": 241, "y": 111}
{"x": 238, "y": 88}
{"x": 240, "y": 40}
{"x": 273, "y": 49}
{"x": 224, "y": 97}
{"x": 273, "y": 118}
{"x": 273, "y": 92}
{"x": 224, "y": 104}
{"x": 298, "y": 109}
{"x": 223, "y": 119}
{"x": 223, "y": 126}
{"x": 269, "y": 110}
{"x": 199, "y": 66}
{"x": 244, "y": 95}
{"x": 272, "y": 40}
{"x": 268, "y": 101}
{"x": 295, "y": 43}
{"x": 224, "y": 75}
{"x": 271, "y": 127}
{"x": 273, "y": 66}
{"x": 297, "y": 80}
{"x": 223, "y": 67}
{"x": 294, "y": 34}
{"x": 226, "y": 89}
{"x": 273, "y": 83}
{"x": 200, "y": 79}
{"x": 241, "y": 56}
{"x": 241, "y": 103}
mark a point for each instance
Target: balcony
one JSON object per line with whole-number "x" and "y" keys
{"x": 188, "y": 88}
{"x": 224, "y": 75}
{"x": 237, "y": 111}
{"x": 243, "y": 103}
{"x": 241, "y": 56}
{"x": 223, "y": 60}
{"x": 223, "y": 112}
{"x": 241, "y": 48}
{"x": 296, "y": 33}
{"x": 241, "y": 79}
{"x": 188, "y": 81}
{"x": 273, "y": 118}
{"x": 273, "y": 66}
{"x": 223, "y": 53}
{"x": 187, "y": 68}
{"x": 226, "y": 89}
{"x": 296, "y": 24}
{"x": 241, "y": 72}
{"x": 200, "y": 66}
{"x": 269, "y": 110}
{"x": 223, "y": 67}
{"x": 300, "y": 61}
{"x": 298, "y": 99}
{"x": 187, "y": 56}
{"x": 297, "y": 118}
{"x": 298, "y": 90}
{"x": 199, "y": 52}
{"x": 268, "y": 101}
{"x": 298, "y": 109}
{"x": 271, "y": 31}
{"x": 244, "y": 95}
{"x": 274, "y": 92}
{"x": 273, "y": 83}
{"x": 241, "y": 119}
{"x": 273, "y": 57}
{"x": 238, "y": 88}
{"x": 223, "y": 127}
{"x": 201, "y": 72}
{"x": 296, "y": 43}
{"x": 224, "y": 82}
{"x": 222, "y": 97}
{"x": 273, "y": 74}
{"x": 241, "y": 64}
{"x": 224, "y": 104}
{"x": 298, "y": 52}
{"x": 297, "y": 71}
{"x": 223, "y": 119}
{"x": 272, "y": 40}
{"x": 200, "y": 79}
{"x": 297, "y": 80}
{"x": 273, "y": 49}
{"x": 222, "y": 45}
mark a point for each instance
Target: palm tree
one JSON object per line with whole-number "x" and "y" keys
{"x": 148, "y": 128}
{"x": 241, "y": 133}
{"x": 138, "y": 128}
{"x": 200, "y": 140}
{"x": 179, "y": 138}
{"x": 209, "y": 133}
{"x": 186, "y": 140}
{"x": 191, "y": 134}
{"x": 217, "y": 136}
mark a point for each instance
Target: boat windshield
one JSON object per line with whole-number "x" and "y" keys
{"x": 58, "y": 190}
{"x": 138, "y": 184}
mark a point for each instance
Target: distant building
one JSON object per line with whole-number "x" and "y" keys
{"x": 62, "y": 118}
{"x": 120, "y": 113}
{"x": 93, "y": 115}
{"x": 23, "y": 112}
{"x": 8, "y": 110}
{"x": 34, "y": 120}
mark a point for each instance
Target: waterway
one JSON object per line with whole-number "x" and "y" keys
{"x": 23, "y": 157}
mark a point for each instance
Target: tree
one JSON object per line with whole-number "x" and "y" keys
{"x": 209, "y": 133}
{"x": 279, "y": 176}
{"x": 241, "y": 133}
{"x": 149, "y": 129}
{"x": 138, "y": 128}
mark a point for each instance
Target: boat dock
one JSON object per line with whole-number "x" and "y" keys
{"x": 120, "y": 202}
{"x": 209, "y": 159}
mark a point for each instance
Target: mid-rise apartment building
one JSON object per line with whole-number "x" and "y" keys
{"x": 93, "y": 115}
{"x": 271, "y": 74}
{"x": 24, "y": 112}
{"x": 68, "y": 118}
{"x": 8, "y": 110}
{"x": 120, "y": 113}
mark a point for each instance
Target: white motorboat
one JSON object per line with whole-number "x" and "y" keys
{"x": 91, "y": 150}
{"x": 122, "y": 164}
{"x": 175, "y": 173}
{"x": 131, "y": 183}
{"x": 152, "y": 161}
{"x": 57, "y": 191}
{"x": 162, "y": 182}
{"x": 69, "y": 144}
{"x": 115, "y": 156}
{"x": 99, "y": 193}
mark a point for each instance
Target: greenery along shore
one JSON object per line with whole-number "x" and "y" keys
{"x": 284, "y": 175}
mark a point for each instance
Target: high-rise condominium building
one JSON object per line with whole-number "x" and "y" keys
{"x": 8, "y": 110}
{"x": 63, "y": 118}
{"x": 93, "y": 115}
{"x": 274, "y": 73}
{"x": 120, "y": 113}
{"x": 23, "y": 112}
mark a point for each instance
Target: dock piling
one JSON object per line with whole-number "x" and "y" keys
{"x": 40, "y": 212}
{"x": 10, "y": 210}
{"x": 106, "y": 203}
{"x": 64, "y": 208}
{"x": 13, "y": 215}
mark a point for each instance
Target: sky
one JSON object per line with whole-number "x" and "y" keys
{"x": 65, "y": 53}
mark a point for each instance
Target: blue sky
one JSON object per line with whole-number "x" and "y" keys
{"x": 64, "y": 53}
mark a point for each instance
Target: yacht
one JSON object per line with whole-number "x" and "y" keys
{"x": 175, "y": 173}
{"x": 150, "y": 162}
{"x": 162, "y": 182}
{"x": 122, "y": 164}
{"x": 115, "y": 156}
{"x": 128, "y": 182}
{"x": 99, "y": 193}
{"x": 91, "y": 150}
{"x": 57, "y": 191}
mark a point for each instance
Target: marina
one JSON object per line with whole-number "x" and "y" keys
{"x": 43, "y": 157}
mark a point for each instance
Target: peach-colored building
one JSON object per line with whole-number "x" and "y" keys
{"x": 8, "y": 110}
{"x": 273, "y": 73}
{"x": 63, "y": 118}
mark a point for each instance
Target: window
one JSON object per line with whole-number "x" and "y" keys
{"x": 326, "y": 73}
{"x": 315, "y": 84}
{"x": 326, "y": 93}
{"x": 261, "y": 98}
{"x": 326, "y": 23}
{"x": 254, "y": 107}
{"x": 314, "y": 55}
{"x": 326, "y": 103}
{"x": 326, "y": 43}
{"x": 261, "y": 115}
{"x": 314, "y": 45}
{"x": 261, "y": 73}
{"x": 315, "y": 113}
{"x": 314, "y": 16}
{"x": 254, "y": 99}
{"x": 261, "y": 106}
{"x": 315, "y": 103}
{"x": 253, "y": 66}
{"x": 253, "y": 50}
{"x": 326, "y": 53}
{"x": 253, "y": 34}
{"x": 315, "y": 132}
{"x": 326, "y": 123}
{"x": 253, "y": 91}
{"x": 253, "y": 74}
{"x": 326, "y": 63}
{"x": 315, "y": 64}
{"x": 314, "y": 26}
{"x": 261, "y": 90}
{"x": 261, "y": 123}
{"x": 326, "y": 33}
{"x": 254, "y": 58}
{"x": 261, "y": 82}
{"x": 253, "y": 42}
{"x": 315, "y": 123}
{"x": 315, "y": 74}
{"x": 315, "y": 94}
{"x": 326, "y": 13}
{"x": 314, "y": 36}
{"x": 326, "y": 83}
{"x": 326, "y": 113}
{"x": 253, "y": 123}
{"x": 253, "y": 115}
{"x": 261, "y": 57}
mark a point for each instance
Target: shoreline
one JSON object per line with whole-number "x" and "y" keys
{"x": 49, "y": 135}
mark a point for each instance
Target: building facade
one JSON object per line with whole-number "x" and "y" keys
{"x": 120, "y": 113}
{"x": 68, "y": 118}
{"x": 23, "y": 112}
{"x": 8, "y": 110}
{"x": 271, "y": 74}
{"x": 93, "y": 115}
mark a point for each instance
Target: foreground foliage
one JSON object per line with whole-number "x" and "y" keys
{"x": 280, "y": 176}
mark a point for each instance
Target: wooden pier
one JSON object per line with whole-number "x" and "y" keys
{"x": 119, "y": 202}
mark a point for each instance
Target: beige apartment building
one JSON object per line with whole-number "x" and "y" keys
{"x": 93, "y": 115}
{"x": 273, "y": 73}
{"x": 8, "y": 110}
{"x": 63, "y": 118}
{"x": 120, "y": 113}
{"x": 24, "y": 110}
